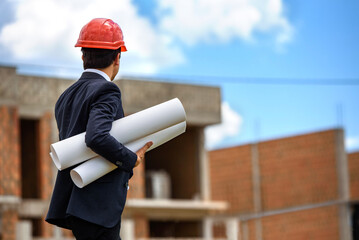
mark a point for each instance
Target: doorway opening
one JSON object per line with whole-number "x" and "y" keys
{"x": 30, "y": 169}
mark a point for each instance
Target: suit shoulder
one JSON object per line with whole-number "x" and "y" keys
{"x": 105, "y": 85}
{"x": 104, "y": 88}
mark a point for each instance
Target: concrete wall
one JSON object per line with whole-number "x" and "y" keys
{"x": 202, "y": 103}
{"x": 35, "y": 95}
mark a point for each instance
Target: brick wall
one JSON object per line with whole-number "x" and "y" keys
{"x": 45, "y": 166}
{"x": 9, "y": 167}
{"x": 137, "y": 190}
{"x": 231, "y": 178}
{"x": 137, "y": 183}
{"x": 298, "y": 170}
{"x": 219, "y": 230}
{"x": 293, "y": 171}
{"x": 251, "y": 229}
{"x": 9, "y": 152}
{"x": 353, "y": 166}
{"x": 318, "y": 224}
{"x": 45, "y": 162}
{"x": 9, "y": 220}
{"x": 141, "y": 227}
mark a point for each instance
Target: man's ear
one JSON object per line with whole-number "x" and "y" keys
{"x": 117, "y": 59}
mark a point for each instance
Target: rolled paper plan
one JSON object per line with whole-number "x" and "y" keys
{"x": 73, "y": 150}
{"x": 97, "y": 167}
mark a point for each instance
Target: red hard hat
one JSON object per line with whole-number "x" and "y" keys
{"x": 101, "y": 33}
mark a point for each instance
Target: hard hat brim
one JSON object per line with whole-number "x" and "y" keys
{"x": 102, "y": 45}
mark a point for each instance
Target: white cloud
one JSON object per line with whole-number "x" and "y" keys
{"x": 48, "y": 30}
{"x": 229, "y": 127}
{"x": 352, "y": 143}
{"x": 222, "y": 20}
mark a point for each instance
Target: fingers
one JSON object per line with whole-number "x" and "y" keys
{"x": 148, "y": 145}
{"x": 145, "y": 148}
{"x": 141, "y": 153}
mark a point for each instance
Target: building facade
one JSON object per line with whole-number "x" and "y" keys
{"x": 300, "y": 187}
{"x": 27, "y": 174}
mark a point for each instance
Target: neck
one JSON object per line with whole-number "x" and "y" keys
{"x": 108, "y": 71}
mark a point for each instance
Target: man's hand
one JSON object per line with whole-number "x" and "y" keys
{"x": 141, "y": 153}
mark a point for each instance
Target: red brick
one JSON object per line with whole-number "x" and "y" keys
{"x": 9, "y": 220}
{"x": 9, "y": 152}
{"x": 219, "y": 230}
{"x": 318, "y": 224}
{"x": 141, "y": 227}
{"x": 294, "y": 171}
{"x": 231, "y": 177}
{"x": 45, "y": 165}
{"x": 298, "y": 170}
{"x": 353, "y": 166}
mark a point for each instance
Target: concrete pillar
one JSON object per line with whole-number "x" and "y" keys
{"x": 343, "y": 186}
{"x": 58, "y": 233}
{"x": 24, "y": 230}
{"x": 203, "y": 166}
{"x": 128, "y": 229}
{"x": 207, "y": 229}
{"x": 256, "y": 178}
{"x": 244, "y": 231}
{"x": 342, "y": 166}
{"x": 257, "y": 195}
{"x": 232, "y": 228}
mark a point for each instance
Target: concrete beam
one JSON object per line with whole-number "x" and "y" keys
{"x": 232, "y": 230}
{"x": 202, "y": 103}
{"x": 35, "y": 94}
{"x": 172, "y": 209}
{"x": 128, "y": 229}
{"x": 207, "y": 229}
{"x": 24, "y": 230}
{"x": 204, "y": 179}
{"x": 33, "y": 208}
{"x": 9, "y": 202}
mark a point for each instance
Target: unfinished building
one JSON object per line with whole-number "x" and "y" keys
{"x": 169, "y": 195}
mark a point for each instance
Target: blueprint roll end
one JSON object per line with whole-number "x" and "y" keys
{"x": 55, "y": 159}
{"x": 76, "y": 178}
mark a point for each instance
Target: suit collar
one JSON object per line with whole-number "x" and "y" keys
{"x": 98, "y": 72}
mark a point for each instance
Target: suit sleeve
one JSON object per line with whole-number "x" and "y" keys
{"x": 102, "y": 114}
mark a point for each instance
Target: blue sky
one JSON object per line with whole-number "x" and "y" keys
{"x": 323, "y": 46}
{"x": 285, "y": 69}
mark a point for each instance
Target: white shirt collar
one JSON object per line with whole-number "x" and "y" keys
{"x": 98, "y": 72}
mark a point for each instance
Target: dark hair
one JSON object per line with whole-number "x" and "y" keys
{"x": 98, "y": 58}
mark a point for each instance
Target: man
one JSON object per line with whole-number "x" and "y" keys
{"x": 91, "y": 104}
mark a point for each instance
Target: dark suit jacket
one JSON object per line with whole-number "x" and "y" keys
{"x": 91, "y": 104}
